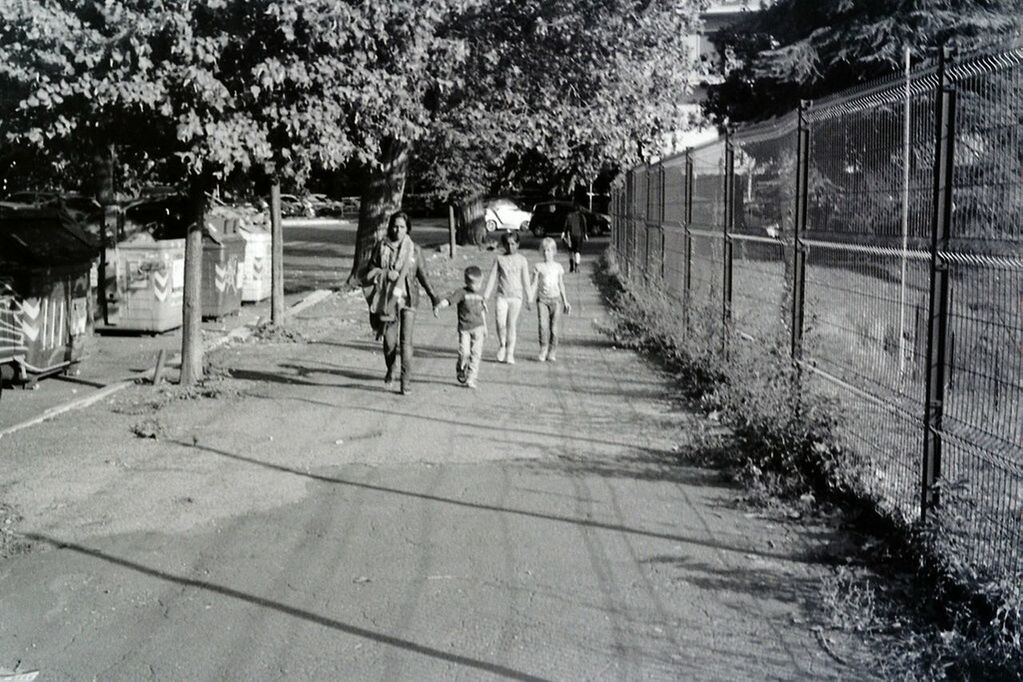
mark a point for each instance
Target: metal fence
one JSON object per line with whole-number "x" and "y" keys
{"x": 878, "y": 235}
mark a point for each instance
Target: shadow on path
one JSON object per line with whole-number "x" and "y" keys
{"x": 492, "y": 668}
{"x": 462, "y": 423}
{"x": 586, "y": 523}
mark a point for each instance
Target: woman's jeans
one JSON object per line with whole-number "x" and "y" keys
{"x": 548, "y": 312}
{"x": 507, "y": 323}
{"x": 398, "y": 336}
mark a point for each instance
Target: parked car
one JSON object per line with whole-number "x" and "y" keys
{"x": 600, "y": 223}
{"x": 549, "y": 219}
{"x": 82, "y": 207}
{"x": 322, "y": 205}
{"x": 292, "y": 205}
{"x": 505, "y": 214}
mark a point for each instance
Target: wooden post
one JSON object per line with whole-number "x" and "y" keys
{"x": 276, "y": 256}
{"x": 451, "y": 230}
{"x": 191, "y": 335}
{"x": 158, "y": 370}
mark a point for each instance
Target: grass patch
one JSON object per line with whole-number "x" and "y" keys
{"x": 216, "y": 384}
{"x": 11, "y": 543}
{"x": 270, "y": 332}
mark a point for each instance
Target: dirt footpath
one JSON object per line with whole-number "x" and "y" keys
{"x": 306, "y": 523}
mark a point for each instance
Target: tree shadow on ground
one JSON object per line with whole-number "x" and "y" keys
{"x": 416, "y": 411}
{"x": 758, "y": 577}
{"x": 308, "y": 616}
{"x": 635, "y": 463}
{"x": 281, "y": 378}
{"x": 676, "y": 537}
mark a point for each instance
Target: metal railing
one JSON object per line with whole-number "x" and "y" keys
{"x": 879, "y": 236}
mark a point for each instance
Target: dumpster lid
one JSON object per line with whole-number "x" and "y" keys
{"x": 41, "y": 237}
{"x": 169, "y": 217}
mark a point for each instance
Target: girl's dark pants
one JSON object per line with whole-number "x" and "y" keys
{"x": 398, "y": 337}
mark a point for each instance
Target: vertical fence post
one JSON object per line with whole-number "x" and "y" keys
{"x": 937, "y": 328}
{"x": 729, "y": 224}
{"x": 646, "y": 229}
{"x": 798, "y": 227}
{"x": 687, "y": 249}
{"x": 630, "y": 198}
{"x": 660, "y": 220}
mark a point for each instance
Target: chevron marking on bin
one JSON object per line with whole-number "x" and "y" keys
{"x": 160, "y": 285}
{"x": 79, "y": 316}
{"x": 221, "y": 277}
{"x": 30, "y": 309}
{"x": 12, "y": 337}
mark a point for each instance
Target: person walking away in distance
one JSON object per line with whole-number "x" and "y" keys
{"x": 548, "y": 288}
{"x": 574, "y": 236}
{"x": 472, "y": 325}
{"x": 391, "y": 283}
{"x": 510, "y": 273}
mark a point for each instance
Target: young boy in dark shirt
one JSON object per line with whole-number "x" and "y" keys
{"x": 472, "y": 327}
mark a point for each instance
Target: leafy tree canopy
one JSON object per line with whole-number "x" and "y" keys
{"x": 803, "y": 49}
{"x": 219, "y": 85}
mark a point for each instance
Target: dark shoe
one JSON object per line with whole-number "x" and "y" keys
{"x": 461, "y": 374}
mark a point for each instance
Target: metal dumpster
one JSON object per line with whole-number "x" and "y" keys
{"x": 257, "y": 264}
{"x": 223, "y": 255}
{"x": 147, "y": 285}
{"x": 45, "y": 261}
{"x": 12, "y": 339}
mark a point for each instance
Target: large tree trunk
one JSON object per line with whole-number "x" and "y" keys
{"x": 191, "y": 334}
{"x": 276, "y": 256}
{"x": 381, "y": 196}
{"x": 470, "y": 220}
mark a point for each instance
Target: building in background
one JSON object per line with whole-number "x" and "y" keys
{"x": 710, "y": 70}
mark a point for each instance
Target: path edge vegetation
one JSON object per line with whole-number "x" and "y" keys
{"x": 946, "y": 621}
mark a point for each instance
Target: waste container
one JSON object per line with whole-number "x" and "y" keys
{"x": 147, "y": 285}
{"x": 45, "y": 260}
{"x": 223, "y": 255}
{"x": 257, "y": 263}
{"x": 12, "y": 341}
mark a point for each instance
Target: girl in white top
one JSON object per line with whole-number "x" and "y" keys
{"x": 548, "y": 288}
{"x": 511, "y": 274}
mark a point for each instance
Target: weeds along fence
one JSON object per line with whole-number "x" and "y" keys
{"x": 878, "y": 235}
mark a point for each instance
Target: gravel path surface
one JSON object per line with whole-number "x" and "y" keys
{"x": 307, "y": 523}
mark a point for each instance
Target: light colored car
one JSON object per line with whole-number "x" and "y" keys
{"x": 504, "y": 214}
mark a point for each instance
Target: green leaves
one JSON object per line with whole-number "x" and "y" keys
{"x": 804, "y": 49}
{"x": 225, "y": 85}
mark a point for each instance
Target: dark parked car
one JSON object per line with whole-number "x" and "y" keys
{"x": 549, "y": 219}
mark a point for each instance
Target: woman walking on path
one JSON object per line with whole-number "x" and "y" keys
{"x": 548, "y": 287}
{"x": 391, "y": 284}
{"x": 511, "y": 275}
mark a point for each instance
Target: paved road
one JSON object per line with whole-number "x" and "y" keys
{"x": 310, "y": 524}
